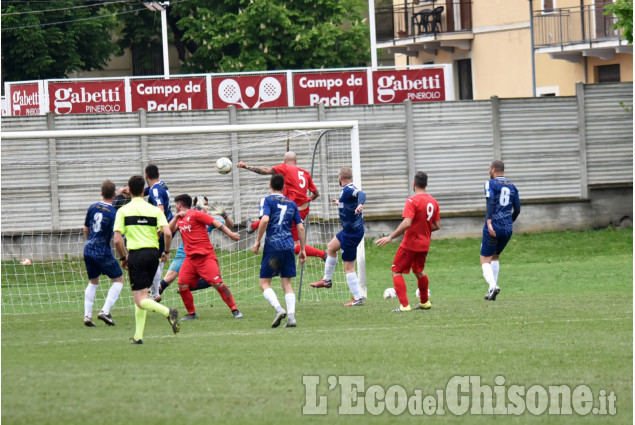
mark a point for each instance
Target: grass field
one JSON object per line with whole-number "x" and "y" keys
{"x": 564, "y": 317}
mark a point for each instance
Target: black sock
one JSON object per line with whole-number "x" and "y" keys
{"x": 162, "y": 285}
{"x": 202, "y": 284}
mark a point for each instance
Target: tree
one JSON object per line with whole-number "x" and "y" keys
{"x": 623, "y": 10}
{"x": 43, "y": 40}
{"x": 254, "y": 35}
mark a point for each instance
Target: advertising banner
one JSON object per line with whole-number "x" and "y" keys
{"x": 25, "y": 99}
{"x": 182, "y": 94}
{"x": 87, "y": 97}
{"x": 417, "y": 85}
{"x": 250, "y": 92}
{"x": 330, "y": 88}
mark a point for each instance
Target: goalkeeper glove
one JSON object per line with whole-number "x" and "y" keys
{"x": 217, "y": 209}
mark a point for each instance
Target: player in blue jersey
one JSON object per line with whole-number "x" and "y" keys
{"x": 159, "y": 196}
{"x": 98, "y": 230}
{"x": 277, "y": 214}
{"x": 503, "y": 207}
{"x": 351, "y": 205}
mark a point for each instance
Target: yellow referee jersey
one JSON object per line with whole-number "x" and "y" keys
{"x": 139, "y": 221}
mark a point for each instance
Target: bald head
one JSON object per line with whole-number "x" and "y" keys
{"x": 290, "y": 158}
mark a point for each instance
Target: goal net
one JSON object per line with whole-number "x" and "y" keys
{"x": 48, "y": 233}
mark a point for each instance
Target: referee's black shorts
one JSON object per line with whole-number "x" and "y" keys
{"x": 142, "y": 266}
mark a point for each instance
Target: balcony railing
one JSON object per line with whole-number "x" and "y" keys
{"x": 421, "y": 18}
{"x": 573, "y": 25}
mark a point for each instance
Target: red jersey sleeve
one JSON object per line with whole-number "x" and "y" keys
{"x": 203, "y": 218}
{"x": 409, "y": 209}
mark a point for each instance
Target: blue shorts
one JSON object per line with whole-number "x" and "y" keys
{"x": 348, "y": 243}
{"x": 102, "y": 265}
{"x": 178, "y": 259}
{"x": 277, "y": 263}
{"x": 494, "y": 245}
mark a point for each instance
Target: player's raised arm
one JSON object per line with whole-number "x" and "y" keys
{"x": 219, "y": 210}
{"x": 257, "y": 170}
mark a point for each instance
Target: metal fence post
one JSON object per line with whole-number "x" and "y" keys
{"x": 55, "y": 194}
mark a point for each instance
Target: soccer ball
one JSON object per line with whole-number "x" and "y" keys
{"x": 390, "y": 293}
{"x": 223, "y": 165}
{"x": 417, "y": 292}
{"x": 25, "y": 262}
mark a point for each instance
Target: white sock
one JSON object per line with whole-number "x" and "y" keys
{"x": 353, "y": 284}
{"x": 270, "y": 296}
{"x": 154, "y": 289}
{"x": 89, "y": 299}
{"x": 113, "y": 294}
{"x": 290, "y": 300}
{"x": 329, "y": 267}
{"x": 488, "y": 274}
{"x": 495, "y": 267}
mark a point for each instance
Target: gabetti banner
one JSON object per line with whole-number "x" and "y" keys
{"x": 250, "y": 92}
{"x": 417, "y": 85}
{"x": 87, "y": 97}
{"x": 182, "y": 94}
{"x": 25, "y": 99}
{"x": 268, "y": 89}
{"x": 331, "y": 89}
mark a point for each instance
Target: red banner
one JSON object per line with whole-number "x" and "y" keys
{"x": 87, "y": 97}
{"x": 182, "y": 94}
{"x": 417, "y": 85}
{"x": 25, "y": 99}
{"x": 331, "y": 89}
{"x": 250, "y": 92}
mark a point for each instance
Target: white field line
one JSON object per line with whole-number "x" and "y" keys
{"x": 268, "y": 331}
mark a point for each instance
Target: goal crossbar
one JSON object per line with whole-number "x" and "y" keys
{"x": 159, "y": 131}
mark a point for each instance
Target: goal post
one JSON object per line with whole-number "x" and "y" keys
{"x": 68, "y": 167}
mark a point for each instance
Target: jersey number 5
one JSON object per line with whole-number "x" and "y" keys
{"x": 302, "y": 179}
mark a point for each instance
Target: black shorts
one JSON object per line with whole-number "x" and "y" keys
{"x": 142, "y": 266}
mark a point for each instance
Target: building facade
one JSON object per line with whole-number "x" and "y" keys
{"x": 509, "y": 48}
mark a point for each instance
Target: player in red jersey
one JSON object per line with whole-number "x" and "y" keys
{"x": 200, "y": 259}
{"x": 420, "y": 218}
{"x": 297, "y": 182}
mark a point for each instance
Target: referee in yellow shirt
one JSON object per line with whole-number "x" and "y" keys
{"x": 140, "y": 222}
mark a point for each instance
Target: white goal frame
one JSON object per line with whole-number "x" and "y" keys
{"x": 351, "y": 125}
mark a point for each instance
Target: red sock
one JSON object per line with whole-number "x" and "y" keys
{"x": 422, "y": 283}
{"x": 227, "y": 296}
{"x": 188, "y": 300}
{"x": 310, "y": 251}
{"x": 255, "y": 224}
{"x": 402, "y": 291}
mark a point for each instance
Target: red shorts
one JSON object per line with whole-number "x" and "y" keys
{"x": 199, "y": 266}
{"x": 406, "y": 260}
{"x": 294, "y": 231}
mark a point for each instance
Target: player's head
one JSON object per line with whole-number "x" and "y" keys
{"x": 200, "y": 202}
{"x": 108, "y": 190}
{"x": 183, "y": 201}
{"x": 277, "y": 182}
{"x": 152, "y": 172}
{"x": 496, "y": 167}
{"x": 345, "y": 175}
{"x": 290, "y": 158}
{"x": 136, "y": 184}
{"x": 421, "y": 180}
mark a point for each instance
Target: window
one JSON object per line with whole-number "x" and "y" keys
{"x": 464, "y": 68}
{"x": 607, "y": 73}
{"x": 547, "y": 5}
